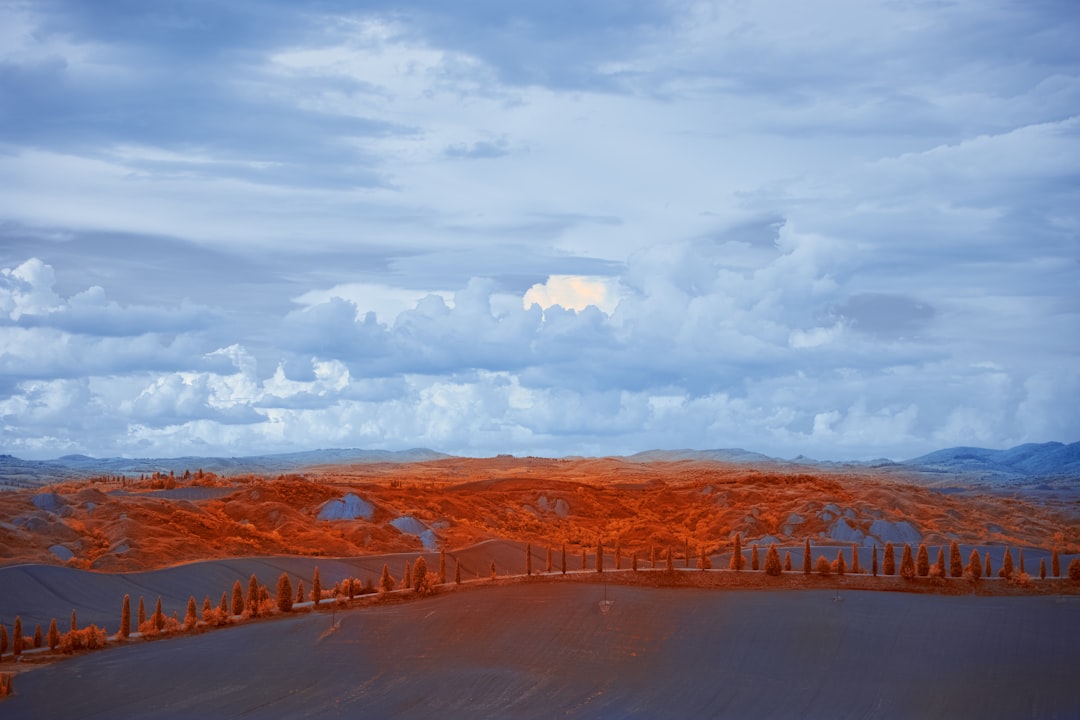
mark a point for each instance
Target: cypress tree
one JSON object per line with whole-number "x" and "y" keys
{"x": 1021, "y": 560}
{"x": 736, "y": 554}
{"x": 583, "y": 567}
{"x": 1006, "y": 565}
{"x": 492, "y": 569}
{"x": 420, "y": 575}
{"x": 955, "y": 563}
{"x": 772, "y": 561}
{"x": 855, "y": 558}
{"x": 989, "y": 567}
{"x": 703, "y": 560}
{"x": 3, "y": 639}
{"x": 922, "y": 564}
{"x": 873, "y": 561}
{"x": 237, "y": 598}
{"x": 974, "y": 568}
{"x": 192, "y": 615}
{"x": 1055, "y": 563}
{"x": 564, "y": 558}
{"x": 442, "y": 565}
{"x": 53, "y": 636}
{"x": 284, "y": 593}
{"x": 207, "y": 610}
{"x": 787, "y": 561}
{"x": 618, "y": 555}
{"x": 1042, "y": 568}
{"x": 386, "y": 580}
{"x": 125, "y": 618}
{"x": 1074, "y": 569}
{"x": 253, "y": 596}
{"x": 888, "y": 563}
{"x": 754, "y": 563}
{"x": 38, "y": 639}
{"x": 528, "y": 559}
{"x": 670, "y": 560}
{"x": 223, "y": 608}
{"x": 547, "y": 565}
{"x": 457, "y": 571}
{"x": 301, "y": 596}
{"x": 806, "y": 557}
{"x": 17, "y": 637}
{"x": 316, "y": 585}
{"x": 74, "y": 623}
{"x": 652, "y": 556}
{"x": 686, "y": 553}
{"x": 599, "y": 556}
{"x": 907, "y": 563}
{"x": 159, "y": 617}
{"x": 940, "y": 564}
{"x": 841, "y": 567}
{"x": 634, "y": 561}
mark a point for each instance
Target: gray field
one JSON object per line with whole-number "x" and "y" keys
{"x": 545, "y": 650}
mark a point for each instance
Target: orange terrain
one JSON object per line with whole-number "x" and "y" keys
{"x": 109, "y": 525}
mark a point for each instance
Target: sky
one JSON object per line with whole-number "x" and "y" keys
{"x": 847, "y": 229}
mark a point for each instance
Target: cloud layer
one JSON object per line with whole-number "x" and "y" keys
{"x": 849, "y": 232}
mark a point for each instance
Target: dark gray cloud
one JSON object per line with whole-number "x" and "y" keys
{"x": 882, "y": 314}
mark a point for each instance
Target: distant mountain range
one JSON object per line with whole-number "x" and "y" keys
{"x": 1024, "y": 464}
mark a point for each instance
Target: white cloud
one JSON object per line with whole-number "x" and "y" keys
{"x": 574, "y": 292}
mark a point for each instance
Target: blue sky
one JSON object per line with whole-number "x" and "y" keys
{"x": 845, "y": 229}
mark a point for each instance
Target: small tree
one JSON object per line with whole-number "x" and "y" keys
{"x": 421, "y": 578}
{"x": 583, "y": 565}
{"x": 939, "y": 566}
{"x": 888, "y": 562}
{"x": 703, "y": 561}
{"x": 652, "y": 556}
{"x": 1042, "y": 568}
{"x": 839, "y": 564}
{"x": 386, "y": 580}
{"x": 922, "y": 564}
{"x": 823, "y": 567}
{"x": 563, "y": 566}
{"x": 787, "y": 561}
{"x": 1055, "y": 563}
{"x": 618, "y": 555}
{"x": 38, "y": 639}
{"x": 457, "y": 571}
{"x": 492, "y": 569}
{"x": 192, "y": 616}
{"x": 158, "y": 617}
{"x": 17, "y": 637}
{"x": 1021, "y": 560}
{"x": 125, "y": 618}
{"x": 736, "y": 554}
{"x": 253, "y": 596}
{"x": 907, "y": 563}
{"x": 528, "y": 559}
{"x": 974, "y": 566}
{"x": 634, "y": 562}
{"x": 53, "y": 636}
{"x": 142, "y": 612}
{"x": 686, "y": 553}
{"x": 989, "y": 567}
{"x": 3, "y": 639}
{"x": 316, "y": 585}
{"x": 755, "y": 563}
{"x": 772, "y": 561}
{"x": 223, "y": 608}
{"x": 207, "y": 610}
{"x": 74, "y": 621}
{"x": 1006, "y": 570}
{"x": 873, "y": 561}
{"x": 237, "y": 598}
{"x": 284, "y": 593}
{"x": 1074, "y": 569}
{"x": 548, "y": 565}
{"x": 300, "y": 595}
{"x": 442, "y": 566}
{"x": 955, "y": 562}
{"x": 855, "y": 558}
{"x": 599, "y": 557}
{"x": 670, "y": 560}
{"x": 806, "y": 566}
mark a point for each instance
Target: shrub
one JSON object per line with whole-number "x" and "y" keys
{"x": 787, "y": 561}
{"x": 74, "y": 622}
{"x": 89, "y": 638}
{"x": 838, "y": 565}
{"x": 737, "y": 560}
{"x": 5, "y": 684}
{"x": 772, "y": 561}
{"x": 956, "y": 568}
{"x": 423, "y": 581}
{"x": 300, "y": 595}
{"x": 823, "y": 566}
{"x": 284, "y": 593}
{"x": 888, "y": 562}
{"x": 1074, "y": 569}
{"x": 208, "y": 614}
{"x": 907, "y": 563}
